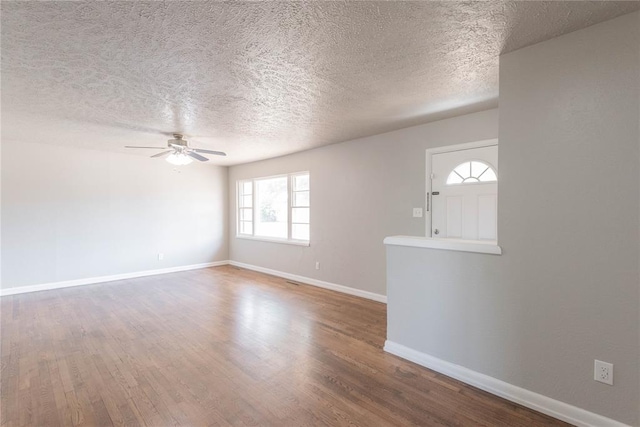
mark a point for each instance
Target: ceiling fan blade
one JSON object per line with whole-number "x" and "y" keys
{"x": 164, "y": 153}
{"x": 152, "y": 148}
{"x": 197, "y": 156}
{"x": 217, "y": 153}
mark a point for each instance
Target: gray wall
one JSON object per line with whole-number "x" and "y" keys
{"x": 361, "y": 191}
{"x": 71, "y": 213}
{"x": 566, "y": 291}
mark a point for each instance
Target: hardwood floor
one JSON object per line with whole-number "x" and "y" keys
{"x": 220, "y": 346}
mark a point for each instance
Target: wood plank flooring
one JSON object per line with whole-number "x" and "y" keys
{"x": 220, "y": 347}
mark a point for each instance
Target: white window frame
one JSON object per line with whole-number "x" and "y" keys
{"x": 290, "y": 190}
{"x": 429, "y": 173}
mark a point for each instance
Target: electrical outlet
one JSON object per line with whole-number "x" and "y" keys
{"x": 317, "y": 265}
{"x": 603, "y": 372}
{"x": 160, "y": 256}
{"x": 417, "y": 212}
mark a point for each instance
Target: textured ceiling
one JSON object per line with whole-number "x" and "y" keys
{"x": 262, "y": 79}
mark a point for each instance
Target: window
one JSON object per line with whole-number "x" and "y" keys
{"x": 275, "y": 208}
{"x": 300, "y": 207}
{"x": 471, "y": 172}
{"x": 271, "y": 208}
{"x": 245, "y": 207}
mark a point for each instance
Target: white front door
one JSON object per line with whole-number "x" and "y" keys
{"x": 464, "y": 194}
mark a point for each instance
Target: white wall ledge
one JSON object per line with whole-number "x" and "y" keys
{"x": 445, "y": 244}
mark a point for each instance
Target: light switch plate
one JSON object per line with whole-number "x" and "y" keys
{"x": 417, "y": 212}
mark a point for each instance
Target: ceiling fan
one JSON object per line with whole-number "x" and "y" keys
{"x": 179, "y": 151}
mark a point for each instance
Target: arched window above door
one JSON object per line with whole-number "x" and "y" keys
{"x": 472, "y": 172}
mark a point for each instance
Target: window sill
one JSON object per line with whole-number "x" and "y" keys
{"x": 274, "y": 240}
{"x": 489, "y": 247}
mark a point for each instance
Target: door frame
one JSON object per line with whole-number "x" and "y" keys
{"x": 428, "y": 172}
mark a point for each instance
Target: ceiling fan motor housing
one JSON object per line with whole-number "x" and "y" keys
{"x": 177, "y": 140}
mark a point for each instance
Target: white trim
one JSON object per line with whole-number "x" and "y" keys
{"x": 476, "y": 246}
{"x": 314, "y": 282}
{"x": 273, "y": 240}
{"x": 464, "y": 146}
{"x": 428, "y": 169}
{"x": 546, "y": 405}
{"x": 102, "y": 279}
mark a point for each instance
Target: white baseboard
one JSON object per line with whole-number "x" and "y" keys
{"x": 535, "y": 401}
{"x": 314, "y": 282}
{"x": 102, "y": 279}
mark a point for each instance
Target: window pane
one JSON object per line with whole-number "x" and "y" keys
{"x": 477, "y": 168}
{"x": 300, "y": 215}
{"x": 300, "y": 182}
{"x": 300, "y": 231}
{"x": 246, "y": 201}
{"x": 272, "y": 211}
{"x": 454, "y": 178}
{"x": 246, "y": 227}
{"x": 246, "y": 214}
{"x": 246, "y": 187}
{"x": 301, "y": 198}
{"x": 464, "y": 169}
{"x": 488, "y": 176}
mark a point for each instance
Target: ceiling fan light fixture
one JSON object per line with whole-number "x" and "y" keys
{"x": 179, "y": 151}
{"x": 179, "y": 159}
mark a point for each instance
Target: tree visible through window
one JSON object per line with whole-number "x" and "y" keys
{"x": 472, "y": 172}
